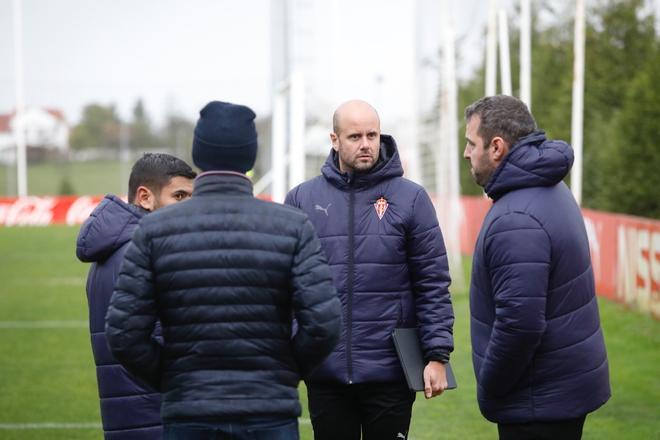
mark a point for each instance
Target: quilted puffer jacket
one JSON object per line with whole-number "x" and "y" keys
{"x": 380, "y": 234}
{"x": 225, "y": 273}
{"x": 129, "y": 408}
{"x": 537, "y": 345}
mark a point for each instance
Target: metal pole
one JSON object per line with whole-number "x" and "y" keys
{"x": 505, "y": 60}
{"x": 278, "y": 146}
{"x": 453, "y": 212}
{"x": 124, "y": 156}
{"x": 297, "y": 129}
{"x": 410, "y": 151}
{"x": 525, "y": 53}
{"x": 491, "y": 50}
{"x": 279, "y": 35}
{"x": 19, "y": 129}
{"x": 578, "y": 101}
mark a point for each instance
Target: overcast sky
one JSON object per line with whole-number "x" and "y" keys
{"x": 176, "y": 55}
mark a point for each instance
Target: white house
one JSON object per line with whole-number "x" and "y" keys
{"x": 44, "y": 128}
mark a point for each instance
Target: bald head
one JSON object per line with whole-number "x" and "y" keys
{"x": 356, "y": 136}
{"x": 352, "y": 110}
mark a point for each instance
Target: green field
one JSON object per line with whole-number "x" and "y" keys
{"x": 84, "y": 178}
{"x": 47, "y": 375}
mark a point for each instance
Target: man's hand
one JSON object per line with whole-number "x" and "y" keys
{"x": 435, "y": 379}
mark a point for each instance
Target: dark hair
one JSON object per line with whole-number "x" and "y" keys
{"x": 501, "y": 115}
{"x": 155, "y": 170}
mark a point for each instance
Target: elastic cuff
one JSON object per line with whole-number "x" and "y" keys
{"x": 438, "y": 356}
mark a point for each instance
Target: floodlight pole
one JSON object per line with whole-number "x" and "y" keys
{"x": 296, "y": 129}
{"x": 491, "y": 50}
{"x": 413, "y": 170}
{"x": 19, "y": 130}
{"x": 447, "y": 177}
{"x": 124, "y": 156}
{"x": 278, "y": 146}
{"x": 505, "y": 61}
{"x": 525, "y": 53}
{"x": 578, "y": 101}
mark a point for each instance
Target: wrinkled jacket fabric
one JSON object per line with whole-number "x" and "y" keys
{"x": 225, "y": 273}
{"x": 537, "y": 345}
{"x": 129, "y": 408}
{"x": 389, "y": 272}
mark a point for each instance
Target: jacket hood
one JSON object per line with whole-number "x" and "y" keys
{"x": 108, "y": 228}
{"x": 388, "y": 166}
{"x": 532, "y": 161}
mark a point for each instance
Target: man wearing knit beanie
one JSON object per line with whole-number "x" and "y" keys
{"x": 225, "y": 138}
{"x": 225, "y": 274}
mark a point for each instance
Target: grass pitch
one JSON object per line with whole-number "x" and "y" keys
{"x": 80, "y": 178}
{"x": 48, "y": 385}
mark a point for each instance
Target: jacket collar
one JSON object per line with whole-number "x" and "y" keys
{"x": 533, "y": 161}
{"x": 388, "y": 166}
{"x": 222, "y": 183}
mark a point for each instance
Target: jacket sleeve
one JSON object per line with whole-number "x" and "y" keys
{"x": 131, "y": 317}
{"x": 429, "y": 272}
{"x": 517, "y": 254}
{"x": 315, "y": 303}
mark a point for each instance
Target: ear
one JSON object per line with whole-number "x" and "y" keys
{"x": 498, "y": 149}
{"x": 145, "y": 198}
{"x": 335, "y": 141}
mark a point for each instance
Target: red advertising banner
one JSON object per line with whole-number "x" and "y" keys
{"x": 44, "y": 211}
{"x": 625, "y": 250}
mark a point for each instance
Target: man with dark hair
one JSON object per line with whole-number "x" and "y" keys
{"x": 389, "y": 265}
{"x": 129, "y": 408}
{"x": 155, "y": 172}
{"x": 225, "y": 275}
{"x": 537, "y": 345}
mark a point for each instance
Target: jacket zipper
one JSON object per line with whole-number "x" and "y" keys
{"x": 350, "y": 281}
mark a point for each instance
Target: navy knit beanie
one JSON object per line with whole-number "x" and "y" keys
{"x": 225, "y": 138}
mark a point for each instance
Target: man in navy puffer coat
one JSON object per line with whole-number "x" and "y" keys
{"x": 537, "y": 345}
{"x": 225, "y": 273}
{"x": 381, "y": 236}
{"x": 129, "y": 408}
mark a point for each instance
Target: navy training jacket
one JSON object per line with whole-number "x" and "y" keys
{"x": 537, "y": 345}
{"x": 129, "y": 408}
{"x": 225, "y": 273}
{"x": 389, "y": 272}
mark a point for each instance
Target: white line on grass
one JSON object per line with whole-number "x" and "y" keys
{"x": 43, "y": 324}
{"x": 22, "y": 426}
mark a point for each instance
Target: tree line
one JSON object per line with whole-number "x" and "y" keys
{"x": 621, "y": 162}
{"x": 101, "y": 127}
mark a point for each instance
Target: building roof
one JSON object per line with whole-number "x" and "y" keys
{"x": 57, "y": 113}
{"x": 5, "y": 119}
{"x": 4, "y": 123}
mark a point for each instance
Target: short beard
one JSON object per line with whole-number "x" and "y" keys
{"x": 482, "y": 179}
{"x": 363, "y": 168}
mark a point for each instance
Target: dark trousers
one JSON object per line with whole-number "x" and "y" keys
{"x": 562, "y": 429}
{"x": 376, "y": 410}
{"x": 284, "y": 429}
